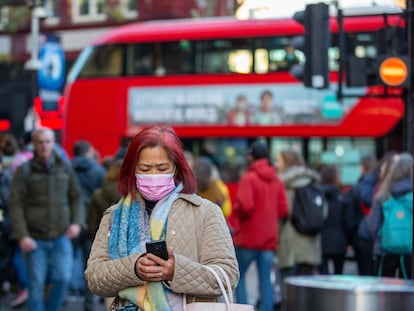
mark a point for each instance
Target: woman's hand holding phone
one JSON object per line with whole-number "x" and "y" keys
{"x": 158, "y": 248}
{"x": 151, "y": 267}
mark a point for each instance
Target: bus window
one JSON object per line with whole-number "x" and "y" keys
{"x": 105, "y": 61}
{"x": 224, "y": 56}
{"x": 243, "y": 56}
{"x": 240, "y": 61}
{"x": 141, "y": 61}
{"x": 186, "y": 57}
{"x": 145, "y": 59}
{"x": 79, "y": 64}
{"x": 166, "y": 58}
{"x": 213, "y": 56}
{"x": 261, "y": 61}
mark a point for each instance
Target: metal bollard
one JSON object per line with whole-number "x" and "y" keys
{"x": 347, "y": 293}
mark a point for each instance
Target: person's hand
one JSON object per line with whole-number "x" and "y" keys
{"x": 73, "y": 231}
{"x": 150, "y": 267}
{"x": 27, "y": 244}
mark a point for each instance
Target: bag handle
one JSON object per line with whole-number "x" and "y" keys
{"x": 227, "y": 295}
{"x": 227, "y": 280}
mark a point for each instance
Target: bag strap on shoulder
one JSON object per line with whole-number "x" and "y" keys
{"x": 27, "y": 170}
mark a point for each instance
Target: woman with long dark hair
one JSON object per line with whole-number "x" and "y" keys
{"x": 397, "y": 186}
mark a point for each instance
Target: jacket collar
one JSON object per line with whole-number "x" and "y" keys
{"x": 192, "y": 198}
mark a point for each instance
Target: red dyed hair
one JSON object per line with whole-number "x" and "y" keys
{"x": 155, "y": 136}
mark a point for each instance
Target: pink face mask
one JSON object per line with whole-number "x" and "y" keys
{"x": 154, "y": 187}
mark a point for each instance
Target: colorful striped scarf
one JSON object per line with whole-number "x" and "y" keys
{"x": 131, "y": 228}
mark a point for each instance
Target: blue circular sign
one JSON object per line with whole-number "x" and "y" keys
{"x": 51, "y": 75}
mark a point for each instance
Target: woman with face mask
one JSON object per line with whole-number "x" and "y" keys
{"x": 159, "y": 203}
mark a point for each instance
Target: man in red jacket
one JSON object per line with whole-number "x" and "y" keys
{"x": 260, "y": 203}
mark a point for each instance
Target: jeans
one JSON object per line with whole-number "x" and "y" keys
{"x": 77, "y": 282}
{"x": 82, "y": 247}
{"x": 50, "y": 263}
{"x": 264, "y": 261}
{"x": 19, "y": 268}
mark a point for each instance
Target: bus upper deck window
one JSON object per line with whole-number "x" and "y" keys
{"x": 105, "y": 61}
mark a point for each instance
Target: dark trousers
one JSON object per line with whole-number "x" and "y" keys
{"x": 389, "y": 265}
{"x": 338, "y": 263}
{"x": 363, "y": 249}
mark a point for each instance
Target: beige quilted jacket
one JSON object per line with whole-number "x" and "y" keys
{"x": 199, "y": 236}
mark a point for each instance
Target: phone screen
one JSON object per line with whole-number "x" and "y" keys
{"x": 158, "y": 248}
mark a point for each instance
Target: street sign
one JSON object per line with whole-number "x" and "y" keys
{"x": 393, "y": 71}
{"x": 51, "y": 75}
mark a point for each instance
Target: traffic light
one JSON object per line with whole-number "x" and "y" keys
{"x": 315, "y": 44}
{"x": 388, "y": 66}
{"x": 393, "y": 68}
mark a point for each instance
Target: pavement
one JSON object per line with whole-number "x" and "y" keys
{"x": 75, "y": 303}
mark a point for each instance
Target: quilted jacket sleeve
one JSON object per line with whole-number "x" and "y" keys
{"x": 212, "y": 246}
{"x": 105, "y": 276}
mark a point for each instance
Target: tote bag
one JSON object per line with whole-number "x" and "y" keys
{"x": 227, "y": 305}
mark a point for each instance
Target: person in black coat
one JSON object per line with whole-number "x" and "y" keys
{"x": 90, "y": 175}
{"x": 334, "y": 235}
{"x": 361, "y": 246}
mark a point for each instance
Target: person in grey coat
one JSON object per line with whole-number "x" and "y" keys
{"x": 298, "y": 254}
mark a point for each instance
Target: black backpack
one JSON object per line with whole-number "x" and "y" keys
{"x": 308, "y": 209}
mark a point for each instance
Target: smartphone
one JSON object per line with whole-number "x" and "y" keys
{"x": 158, "y": 248}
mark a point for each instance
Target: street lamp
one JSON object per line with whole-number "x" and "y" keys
{"x": 34, "y": 63}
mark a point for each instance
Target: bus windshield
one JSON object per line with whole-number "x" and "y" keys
{"x": 79, "y": 64}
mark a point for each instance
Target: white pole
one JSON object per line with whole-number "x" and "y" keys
{"x": 34, "y": 62}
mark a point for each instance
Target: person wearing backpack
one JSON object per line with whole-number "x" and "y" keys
{"x": 368, "y": 187}
{"x": 298, "y": 253}
{"x": 46, "y": 212}
{"x": 390, "y": 220}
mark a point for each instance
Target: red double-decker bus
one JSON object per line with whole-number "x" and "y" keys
{"x": 192, "y": 74}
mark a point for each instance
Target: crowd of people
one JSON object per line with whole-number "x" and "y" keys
{"x": 80, "y": 225}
